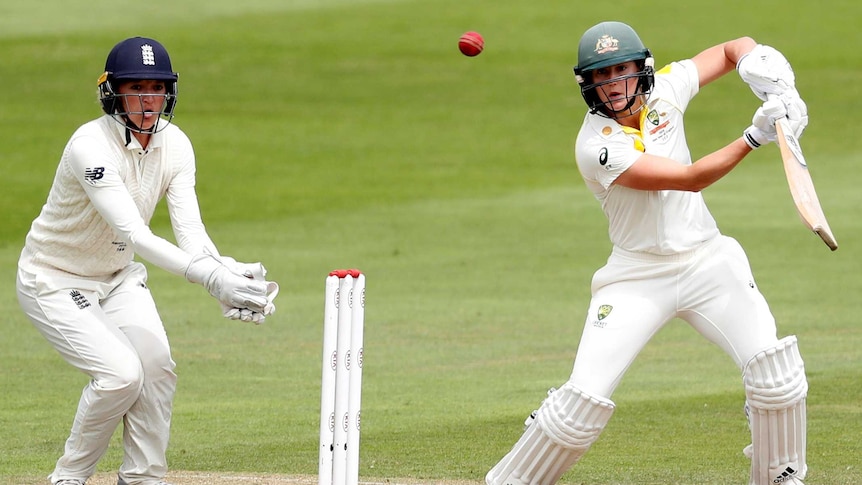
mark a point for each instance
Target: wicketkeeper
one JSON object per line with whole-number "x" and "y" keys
{"x": 78, "y": 282}
{"x": 669, "y": 259}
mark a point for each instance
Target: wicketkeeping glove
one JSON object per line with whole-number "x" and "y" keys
{"x": 226, "y": 286}
{"x": 762, "y": 129}
{"x": 766, "y": 71}
{"x": 255, "y": 271}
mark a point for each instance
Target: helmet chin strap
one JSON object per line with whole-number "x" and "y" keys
{"x": 131, "y": 126}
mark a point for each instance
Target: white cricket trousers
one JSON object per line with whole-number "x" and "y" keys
{"x": 634, "y": 295}
{"x": 110, "y": 330}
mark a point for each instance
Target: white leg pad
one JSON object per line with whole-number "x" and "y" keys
{"x": 566, "y": 425}
{"x": 775, "y": 390}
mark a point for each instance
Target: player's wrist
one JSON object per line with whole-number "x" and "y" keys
{"x": 201, "y": 269}
{"x": 754, "y": 137}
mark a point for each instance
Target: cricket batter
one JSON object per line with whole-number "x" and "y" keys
{"x": 669, "y": 259}
{"x": 77, "y": 280}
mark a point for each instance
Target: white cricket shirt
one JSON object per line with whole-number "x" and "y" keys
{"x": 103, "y": 196}
{"x": 658, "y": 222}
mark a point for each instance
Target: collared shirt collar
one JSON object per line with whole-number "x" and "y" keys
{"x": 156, "y": 139}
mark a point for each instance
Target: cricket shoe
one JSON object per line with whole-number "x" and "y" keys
{"x": 120, "y": 481}
{"x": 71, "y": 481}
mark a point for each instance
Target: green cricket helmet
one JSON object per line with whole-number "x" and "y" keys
{"x": 608, "y": 44}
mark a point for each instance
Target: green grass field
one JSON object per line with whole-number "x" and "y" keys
{"x": 353, "y": 134}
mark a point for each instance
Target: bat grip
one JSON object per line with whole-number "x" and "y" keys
{"x": 774, "y": 107}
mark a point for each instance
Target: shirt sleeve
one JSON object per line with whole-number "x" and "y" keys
{"x": 183, "y": 206}
{"x": 683, "y": 81}
{"x": 601, "y": 159}
{"x": 102, "y": 181}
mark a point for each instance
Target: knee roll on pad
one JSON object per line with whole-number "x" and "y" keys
{"x": 775, "y": 390}
{"x": 566, "y": 425}
{"x": 573, "y": 418}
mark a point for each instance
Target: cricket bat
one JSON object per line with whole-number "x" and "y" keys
{"x": 801, "y": 185}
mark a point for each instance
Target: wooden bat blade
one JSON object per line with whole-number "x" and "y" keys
{"x": 801, "y": 186}
{"x": 827, "y": 236}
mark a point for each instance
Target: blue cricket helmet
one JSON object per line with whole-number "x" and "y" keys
{"x": 137, "y": 58}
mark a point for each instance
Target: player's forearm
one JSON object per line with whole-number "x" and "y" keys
{"x": 710, "y": 168}
{"x": 159, "y": 251}
{"x": 735, "y": 49}
{"x": 185, "y": 212}
{"x": 721, "y": 59}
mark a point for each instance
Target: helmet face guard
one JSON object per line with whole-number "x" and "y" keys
{"x": 608, "y": 44}
{"x": 643, "y": 88}
{"x": 116, "y": 104}
{"x": 137, "y": 59}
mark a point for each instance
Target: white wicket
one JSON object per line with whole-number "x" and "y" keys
{"x": 341, "y": 381}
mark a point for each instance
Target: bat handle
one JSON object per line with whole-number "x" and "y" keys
{"x": 774, "y": 107}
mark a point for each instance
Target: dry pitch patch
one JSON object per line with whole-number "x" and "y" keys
{"x": 209, "y": 478}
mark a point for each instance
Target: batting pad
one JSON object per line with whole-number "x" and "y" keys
{"x": 566, "y": 425}
{"x": 775, "y": 389}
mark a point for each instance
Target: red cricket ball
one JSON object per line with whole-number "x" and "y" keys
{"x": 471, "y": 44}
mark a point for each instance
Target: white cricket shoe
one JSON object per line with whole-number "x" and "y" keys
{"x": 120, "y": 481}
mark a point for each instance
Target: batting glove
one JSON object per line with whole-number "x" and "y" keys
{"x": 762, "y": 129}
{"x": 766, "y": 71}
{"x": 797, "y": 112}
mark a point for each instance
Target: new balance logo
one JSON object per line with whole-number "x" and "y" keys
{"x": 79, "y": 299}
{"x": 786, "y": 475}
{"x": 93, "y": 174}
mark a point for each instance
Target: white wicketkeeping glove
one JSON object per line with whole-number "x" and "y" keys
{"x": 762, "y": 129}
{"x": 766, "y": 71}
{"x": 255, "y": 271}
{"x": 226, "y": 286}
